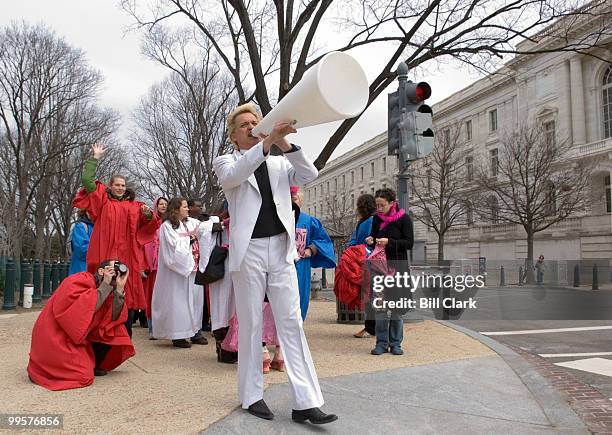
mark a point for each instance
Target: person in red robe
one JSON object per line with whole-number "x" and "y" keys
{"x": 80, "y": 332}
{"x": 122, "y": 226}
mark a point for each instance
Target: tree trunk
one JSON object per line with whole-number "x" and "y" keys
{"x": 529, "y": 262}
{"x": 440, "y": 248}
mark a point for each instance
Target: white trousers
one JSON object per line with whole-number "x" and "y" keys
{"x": 264, "y": 270}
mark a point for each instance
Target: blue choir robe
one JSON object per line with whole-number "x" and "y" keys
{"x": 79, "y": 239}
{"x": 362, "y": 231}
{"x": 325, "y": 257}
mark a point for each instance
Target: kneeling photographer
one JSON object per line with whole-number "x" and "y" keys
{"x": 80, "y": 332}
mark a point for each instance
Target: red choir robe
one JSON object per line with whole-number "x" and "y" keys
{"x": 61, "y": 354}
{"x": 120, "y": 232}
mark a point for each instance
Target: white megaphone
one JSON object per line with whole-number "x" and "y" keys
{"x": 335, "y": 88}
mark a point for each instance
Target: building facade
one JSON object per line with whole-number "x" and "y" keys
{"x": 567, "y": 93}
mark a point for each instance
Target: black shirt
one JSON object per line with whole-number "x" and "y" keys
{"x": 268, "y": 223}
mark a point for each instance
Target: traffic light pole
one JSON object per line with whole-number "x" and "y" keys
{"x": 403, "y": 179}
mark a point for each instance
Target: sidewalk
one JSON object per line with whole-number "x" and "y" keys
{"x": 447, "y": 382}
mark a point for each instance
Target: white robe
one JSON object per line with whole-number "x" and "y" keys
{"x": 177, "y": 303}
{"x": 222, "y": 304}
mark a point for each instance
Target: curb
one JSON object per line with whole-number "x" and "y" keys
{"x": 556, "y": 409}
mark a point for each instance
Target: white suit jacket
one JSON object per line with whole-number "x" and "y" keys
{"x": 235, "y": 172}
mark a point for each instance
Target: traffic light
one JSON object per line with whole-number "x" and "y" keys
{"x": 393, "y": 131}
{"x": 416, "y": 126}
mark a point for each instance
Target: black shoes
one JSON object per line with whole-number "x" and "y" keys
{"x": 181, "y": 343}
{"x": 261, "y": 410}
{"x": 199, "y": 339}
{"x": 315, "y": 415}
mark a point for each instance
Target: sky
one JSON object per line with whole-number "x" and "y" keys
{"x": 99, "y": 28}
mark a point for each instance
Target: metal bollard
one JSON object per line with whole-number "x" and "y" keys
{"x": 37, "y": 297}
{"x": 576, "y": 275}
{"x": 54, "y": 276}
{"x": 9, "y": 285}
{"x": 61, "y": 269}
{"x": 24, "y": 278}
{"x": 502, "y": 277}
{"x": 46, "y": 287}
{"x": 595, "y": 284}
{"x": 521, "y": 280}
{"x": 323, "y": 279}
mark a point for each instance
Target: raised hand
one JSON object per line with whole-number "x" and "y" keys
{"x": 98, "y": 150}
{"x": 277, "y": 136}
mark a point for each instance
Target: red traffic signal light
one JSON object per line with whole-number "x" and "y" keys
{"x": 422, "y": 91}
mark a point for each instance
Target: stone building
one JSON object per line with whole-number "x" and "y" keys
{"x": 569, "y": 94}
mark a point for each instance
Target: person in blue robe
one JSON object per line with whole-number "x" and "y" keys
{"x": 315, "y": 248}
{"x": 366, "y": 206}
{"x": 78, "y": 242}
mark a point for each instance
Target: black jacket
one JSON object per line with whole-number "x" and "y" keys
{"x": 399, "y": 233}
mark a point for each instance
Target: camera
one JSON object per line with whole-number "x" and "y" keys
{"x": 120, "y": 268}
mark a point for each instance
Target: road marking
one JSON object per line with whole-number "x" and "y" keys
{"x": 548, "y": 331}
{"x": 569, "y": 355}
{"x": 600, "y": 366}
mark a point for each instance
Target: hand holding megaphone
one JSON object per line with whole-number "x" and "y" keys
{"x": 277, "y": 136}
{"x": 335, "y": 88}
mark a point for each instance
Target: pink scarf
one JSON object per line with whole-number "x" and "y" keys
{"x": 392, "y": 215}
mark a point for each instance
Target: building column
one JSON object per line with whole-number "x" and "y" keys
{"x": 565, "y": 129}
{"x": 578, "y": 115}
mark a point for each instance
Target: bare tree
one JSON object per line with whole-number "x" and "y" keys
{"x": 340, "y": 217}
{"x": 438, "y": 185}
{"x": 180, "y": 125}
{"x": 532, "y": 181}
{"x": 47, "y": 92}
{"x": 257, "y": 39}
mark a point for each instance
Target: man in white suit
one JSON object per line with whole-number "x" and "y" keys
{"x": 261, "y": 259}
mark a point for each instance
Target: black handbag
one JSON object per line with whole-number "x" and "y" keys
{"x": 215, "y": 269}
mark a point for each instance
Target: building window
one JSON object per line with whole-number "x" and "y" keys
{"x": 550, "y": 133}
{"x": 429, "y": 181}
{"x": 551, "y": 199}
{"x": 328, "y": 187}
{"x": 315, "y": 190}
{"x": 469, "y": 168}
{"x": 372, "y": 169}
{"x": 493, "y": 210}
{"x": 494, "y": 162}
{"x": 493, "y": 120}
{"x": 343, "y": 181}
{"x": 468, "y": 130}
{"x": 608, "y": 194}
{"x": 384, "y": 164}
{"x": 336, "y": 184}
{"x": 352, "y": 177}
{"x": 469, "y": 213}
{"x": 361, "y": 173}
{"x": 315, "y": 210}
{"x": 607, "y": 103}
{"x": 447, "y": 137}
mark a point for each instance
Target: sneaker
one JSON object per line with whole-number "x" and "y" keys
{"x": 396, "y": 350}
{"x": 379, "y": 350}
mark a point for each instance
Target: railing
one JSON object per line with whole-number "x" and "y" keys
{"x": 44, "y": 276}
{"x": 498, "y": 229}
{"x": 593, "y": 147}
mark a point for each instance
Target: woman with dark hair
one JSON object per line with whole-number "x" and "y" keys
{"x": 177, "y": 302}
{"x": 151, "y": 250}
{"x": 392, "y": 229}
{"x": 366, "y": 206}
